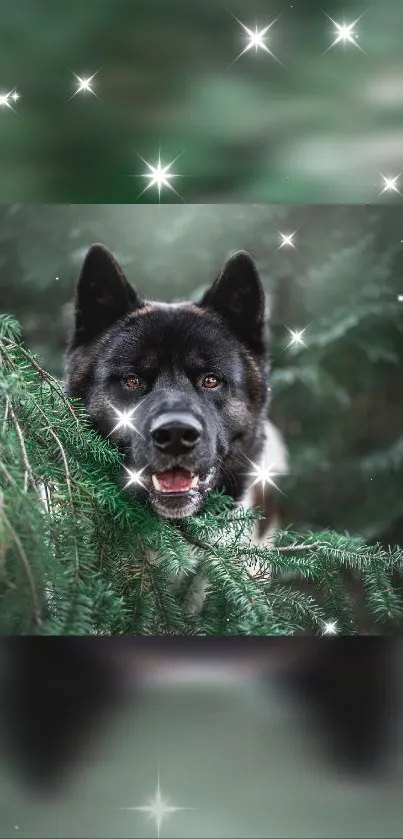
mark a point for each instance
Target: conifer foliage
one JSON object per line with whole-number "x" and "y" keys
{"x": 79, "y": 555}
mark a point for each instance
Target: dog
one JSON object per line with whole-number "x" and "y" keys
{"x": 181, "y": 388}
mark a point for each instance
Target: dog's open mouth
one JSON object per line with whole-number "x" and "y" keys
{"x": 175, "y": 481}
{"x": 177, "y": 492}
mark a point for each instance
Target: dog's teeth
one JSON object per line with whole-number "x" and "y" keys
{"x": 159, "y": 488}
{"x": 156, "y": 483}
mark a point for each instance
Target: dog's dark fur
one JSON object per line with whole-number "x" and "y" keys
{"x": 171, "y": 347}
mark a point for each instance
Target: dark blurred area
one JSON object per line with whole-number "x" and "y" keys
{"x": 299, "y": 123}
{"x": 269, "y": 736}
{"x": 337, "y": 398}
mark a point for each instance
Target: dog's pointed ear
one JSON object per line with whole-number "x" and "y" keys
{"x": 103, "y": 295}
{"x": 238, "y": 296}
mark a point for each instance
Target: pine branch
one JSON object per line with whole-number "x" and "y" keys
{"x": 43, "y": 375}
{"x": 80, "y": 550}
{"x": 27, "y": 465}
{"x": 204, "y": 546}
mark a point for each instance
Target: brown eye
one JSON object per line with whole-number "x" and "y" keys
{"x": 210, "y": 381}
{"x": 132, "y": 382}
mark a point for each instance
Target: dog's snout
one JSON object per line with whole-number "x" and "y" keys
{"x": 176, "y": 434}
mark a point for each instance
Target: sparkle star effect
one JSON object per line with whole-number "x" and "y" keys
{"x": 287, "y": 240}
{"x": 296, "y": 338}
{"x": 134, "y": 477}
{"x": 125, "y": 419}
{"x": 264, "y": 474}
{"x": 84, "y": 85}
{"x": 344, "y": 33}
{"x": 256, "y": 40}
{"x": 400, "y": 298}
{"x": 157, "y": 808}
{"x": 5, "y": 99}
{"x": 391, "y": 184}
{"x": 159, "y": 175}
{"x": 330, "y": 628}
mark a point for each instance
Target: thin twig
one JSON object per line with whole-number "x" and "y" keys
{"x": 24, "y": 455}
{"x": 48, "y": 499}
{"x": 193, "y": 540}
{"x": 68, "y": 479}
{"x": 290, "y": 549}
{"x": 5, "y": 417}
{"x": 44, "y": 376}
{"x": 68, "y": 484}
{"x": 64, "y": 458}
{"x": 7, "y": 475}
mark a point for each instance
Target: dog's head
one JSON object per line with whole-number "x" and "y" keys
{"x": 182, "y": 389}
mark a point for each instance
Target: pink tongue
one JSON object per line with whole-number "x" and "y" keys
{"x": 177, "y": 480}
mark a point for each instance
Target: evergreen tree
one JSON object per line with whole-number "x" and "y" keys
{"x": 337, "y": 395}
{"x": 80, "y": 556}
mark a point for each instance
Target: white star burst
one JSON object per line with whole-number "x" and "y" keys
{"x": 264, "y": 474}
{"x": 391, "y": 184}
{"x": 84, "y": 85}
{"x": 134, "y": 477}
{"x": 296, "y": 337}
{"x": 330, "y": 628}
{"x": 287, "y": 240}
{"x": 125, "y": 419}
{"x": 400, "y": 298}
{"x": 157, "y": 808}
{"x": 256, "y": 40}
{"x": 5, "y": 99}
{"x": 160, "y": 175}
{"x": 344, "y": 33}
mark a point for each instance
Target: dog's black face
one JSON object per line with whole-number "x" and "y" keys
{"x": 181, "y": 389}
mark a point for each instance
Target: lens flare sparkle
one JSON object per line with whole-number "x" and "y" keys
{"x": 391, "y": 184}
{"x": 287, "y": 240}
{"x": 84, "y": 85}
{"x": 159, "y": 175}
{"x": 256, "y": 40}
{"x": 344, "y": 33}
{"x": 330, "y": 628}
{"x": 296, "y": 338}
{"x": 157, "y": 809}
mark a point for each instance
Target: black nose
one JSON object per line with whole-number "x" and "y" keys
{"x": 175, "y": 433}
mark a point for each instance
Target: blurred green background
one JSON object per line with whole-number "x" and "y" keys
{"x": 338, "y": 400}
{"x": 236, "y": 757}
{"x": 315, "y": 128}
